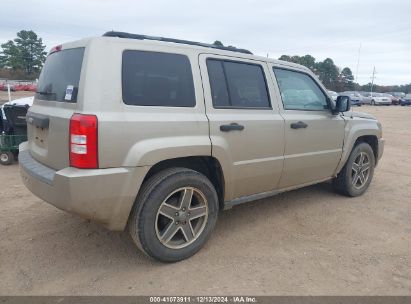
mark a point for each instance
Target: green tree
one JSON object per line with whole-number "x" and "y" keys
{"x": 2, "y": 61}
{"x": 10, "y": 56}
{"x": 347, "y": 79}
{"x": 347, "y": 75}
{"x": 218, "y": 43}
{"x": 285, "y": 58}
{"x": 328, "y": 73}
{"x": 24, "y": 52}
{"x": 308, "y": 61}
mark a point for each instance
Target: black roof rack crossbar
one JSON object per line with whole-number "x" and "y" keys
{"x": 145, "y": 37}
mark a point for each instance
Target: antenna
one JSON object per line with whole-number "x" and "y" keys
{"x": 356, "y": 77}
{"x": 358, "y": 64}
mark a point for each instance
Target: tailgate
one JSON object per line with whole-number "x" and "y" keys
{"x": 47, "y": 134}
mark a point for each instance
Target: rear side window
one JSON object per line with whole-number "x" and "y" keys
{"x": 237, "y": 85}
{"x": 157, "y": 79}
{"x": 60, "y": 76}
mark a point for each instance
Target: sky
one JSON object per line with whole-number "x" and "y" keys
{"x": 334, "y": 29}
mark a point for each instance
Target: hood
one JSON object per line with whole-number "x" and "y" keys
{"x": 359, "y": 115}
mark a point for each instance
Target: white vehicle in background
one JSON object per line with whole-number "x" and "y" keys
{"x": 380, "y": 99}
{"x": 333, "y": 94}
{"x": 356, "y": 98}
{"x": 367, "y": 99}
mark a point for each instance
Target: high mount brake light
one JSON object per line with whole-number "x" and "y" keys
{"x": 55, "y": 49}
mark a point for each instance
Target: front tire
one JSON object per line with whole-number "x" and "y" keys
{"x": 356, "y": 175}
{"x": 174, "y": 214}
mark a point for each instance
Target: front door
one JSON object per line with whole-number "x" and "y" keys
{"x": 314, "y": 136}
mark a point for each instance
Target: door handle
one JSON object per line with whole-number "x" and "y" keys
{"x": 298, "y": 125}
{"x": 231, "y": 127}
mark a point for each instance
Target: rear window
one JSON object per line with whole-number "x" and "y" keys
{"x": 157, "y": 79}
{"x": 60, "y": 76}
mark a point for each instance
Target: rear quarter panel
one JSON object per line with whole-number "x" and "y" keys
{"x": 140, "y": 135}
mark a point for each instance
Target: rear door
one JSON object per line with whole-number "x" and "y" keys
{"x": 314, "y": 136}
{"x": 58, "y": 91}
{"x": 246, "y": 130}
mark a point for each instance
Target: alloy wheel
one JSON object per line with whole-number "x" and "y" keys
{"x": 360, "y": 170}
{"x": 181, "y": 217}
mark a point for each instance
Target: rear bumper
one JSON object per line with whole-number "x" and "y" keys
{"x": 102, "y": 195}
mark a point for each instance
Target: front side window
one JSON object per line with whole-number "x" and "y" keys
{"x": 299, "y": 91}
{"x": 237, "y": 85}
{"x": 157, "y": 79}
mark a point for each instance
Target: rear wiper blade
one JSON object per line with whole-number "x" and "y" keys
{"x": 45, "y": 93}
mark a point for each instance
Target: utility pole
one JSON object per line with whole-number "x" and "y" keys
{"x": 372, "y": 79}
{"x": 8, "y": 91}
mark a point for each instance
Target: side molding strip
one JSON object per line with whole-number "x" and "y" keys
{"x": 262, "y": 195}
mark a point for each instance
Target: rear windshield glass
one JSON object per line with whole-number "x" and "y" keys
{"x": 60, "y": 76}
{"x": 157, "y": 79}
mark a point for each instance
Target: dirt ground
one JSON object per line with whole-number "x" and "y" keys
{"x": 305, "y": 242}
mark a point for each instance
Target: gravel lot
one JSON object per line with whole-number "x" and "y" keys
{"x": 4, "y": 97}
{"x": 305, "y": 242}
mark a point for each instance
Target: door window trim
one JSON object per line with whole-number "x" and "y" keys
{"x": 270, "y": 107}
{"x": 327, "y": 99}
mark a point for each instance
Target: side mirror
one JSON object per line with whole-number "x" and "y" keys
{"x": 342, "y": 104}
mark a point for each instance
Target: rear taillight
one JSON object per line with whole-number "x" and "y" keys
{"x": 83, "y": 142}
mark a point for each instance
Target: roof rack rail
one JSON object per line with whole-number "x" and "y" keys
{"x": 145, "y": 37}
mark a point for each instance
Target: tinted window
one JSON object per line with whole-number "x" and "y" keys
{"x": 218, "y": 83}
{"x": 239, "y": 85}
{"x": 157, "y": 79}
{"x": 299, "y": 91}
{"x": 60, "y": 76}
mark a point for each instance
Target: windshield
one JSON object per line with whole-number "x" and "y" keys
{"x": 60, "y": 76}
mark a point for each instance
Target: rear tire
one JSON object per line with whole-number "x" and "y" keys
{"x": 6, "y": 158}
{"x": 174, "y": 214}
{"x": 357, "y": 173}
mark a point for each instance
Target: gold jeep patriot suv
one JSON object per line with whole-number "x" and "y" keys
{"x": 156, "y": 135}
